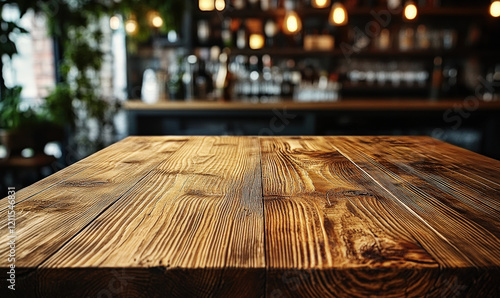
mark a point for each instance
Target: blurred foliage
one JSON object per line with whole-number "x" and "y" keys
{"x": 54, "y": 111}
{"x": 11, "y": 116}
{"x": 75, "y": 25}
{"x": 170, "y": 11}
{"x": 58, "y": 108}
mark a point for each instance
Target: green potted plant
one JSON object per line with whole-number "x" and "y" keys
{"x": 25, "y": 128}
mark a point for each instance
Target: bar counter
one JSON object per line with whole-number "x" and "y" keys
{"x": 352, "y": 104}
{"x": 450, "y": 120}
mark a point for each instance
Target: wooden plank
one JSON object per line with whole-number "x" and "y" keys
{"x": 459, "y": 160}
{"x": 463, "y": 160}
{"x": 332, "y": 230}
{"x": 48, "y": 219}
{"x": 193, "y": 226}
{"x": 476, "y": 242}
{"x": 90, "y": 162}
{"x": 424, "y": 162}
{"x": 328, "y": 233}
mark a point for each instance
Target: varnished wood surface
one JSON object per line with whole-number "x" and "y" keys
{"x": 262, "y": 217}
{"x": 354, "y": 104}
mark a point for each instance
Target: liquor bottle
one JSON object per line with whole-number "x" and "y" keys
{"x": 270, "y": 30}
{"x": 224, "y": 81}
{"x": 226, "y": 34}
{"x": 437, "y": 78}
{"x": 203, "y": 31}
{"x": 267, "y": 87}
{"x": 255, "y": 79}
{"x": 187, "y": 77}
{"x": 287, "y": 87}
{"x": 496, "y": 82}
{"x": 203, "y": 82}
{"x": 241, "y": 37}
{"x": 175, "y": 86}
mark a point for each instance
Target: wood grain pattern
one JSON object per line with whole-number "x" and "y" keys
{"x": 262, "y": 216}
{"x": 431, "y": 202}
{"x": 47, "y": 220}
{"x": 199, "y": 209}
{"x": 67, "y": 172}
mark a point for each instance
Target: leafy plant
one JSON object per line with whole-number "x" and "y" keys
{"x": 11, "y": 116}
{"x": 58, "y": 108}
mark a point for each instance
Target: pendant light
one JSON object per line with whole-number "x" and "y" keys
{"x": 410, "y": 12}
{"x": 338, "y": 15}
{"x": 256, "y": 41}
{"x": 131, "y": 26}
{"x": 115, "y": 22}
{"x": 155, "y": 19}
{"x": 495, "y": 9}
{"x": 320, "y": 3}
{"x": 206, "y": 5}
{"x": 292, "y": 23}
{"x": 220, "y": 5}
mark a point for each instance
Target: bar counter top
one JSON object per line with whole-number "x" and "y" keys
{"x": 290, "y": 216}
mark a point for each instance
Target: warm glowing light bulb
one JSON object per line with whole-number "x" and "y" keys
{"x": 495, "y": 9}
{"x": 338, "y": 15}
{"x": 114, "y": 22}
{"x": 292, "y": 23}
{"x": 410, "y": 11}
{"x": 256, "y": 41}
{"x": 157, "y": 21}
{"x": 220, "y": 5}
{"x": 320, "y": 3}
{"x": 131, "y": 26}
{"x": 206, "y": 5}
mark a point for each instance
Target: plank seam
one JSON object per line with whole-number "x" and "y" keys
{"x": 263, "y": 216}
{"x": 406, "y": 207}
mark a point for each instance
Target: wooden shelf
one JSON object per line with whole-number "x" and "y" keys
{"x": 299, "y": 52}
{"x": 351, "y": 104}
{"x": 375, "y": 86}
{"x": 353, "y": 12}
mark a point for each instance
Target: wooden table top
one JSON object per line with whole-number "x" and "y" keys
{"x": 469, "y": 104}
{"x": 261, "y": 216}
